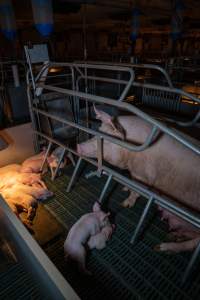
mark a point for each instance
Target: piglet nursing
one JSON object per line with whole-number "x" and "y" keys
{"x": 88, "y": 225}
{"x": 185, "y": 236}
{"x": 99, "y": 240}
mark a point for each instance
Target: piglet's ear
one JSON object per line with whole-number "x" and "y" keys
{"x": 96, "y": 207}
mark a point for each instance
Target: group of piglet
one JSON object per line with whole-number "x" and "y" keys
{"x": 166, "y": 166}
{"x": 91, "y": 231}
{"x": 21, "y": 185}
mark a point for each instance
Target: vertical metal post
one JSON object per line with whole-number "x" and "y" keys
{"x": 32, "y": 116}
{"x": 191, "y": 263}
{"x": 99, "y": 153}
{"x": 74, "y": 175}
{"x": 142, "y": 219}
{"x": 30, "y": 66}
{"x": 53, "y": 175}
{"x": 45, "y": 157}
{"x": 100, "y": 200}
{"x": 70, "y": 156}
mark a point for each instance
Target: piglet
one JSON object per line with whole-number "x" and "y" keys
{"x": 33, "y": 164}
{"x": 36, "y": 190}
{"x": 99, "y": 240}
{"x": 10, "y": 178}
{"x": 88, "y": 225}
{"x": 186, "y": 235}
{"x": 19, "y": 202}
{"x": 11, "y": 167}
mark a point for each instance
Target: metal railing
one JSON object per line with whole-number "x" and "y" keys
{"x": 157, "y": 126}
{"x": 50, "y": 281}
{"x": 165, "y": 97}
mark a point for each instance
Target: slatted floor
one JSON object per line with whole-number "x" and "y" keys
{"x": 121, "y": 270}
{"x": 17, "y": 284}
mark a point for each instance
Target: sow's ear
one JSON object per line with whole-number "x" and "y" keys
{"x": 107, "y": 119}
{"x": 103, "y": 116}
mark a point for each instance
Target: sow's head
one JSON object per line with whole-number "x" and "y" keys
{"x": 111, "y": 151}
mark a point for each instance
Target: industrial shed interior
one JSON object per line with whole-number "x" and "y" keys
{"x": 99, "y": 149}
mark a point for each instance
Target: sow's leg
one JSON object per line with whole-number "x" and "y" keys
{"x": 130, "y": 201}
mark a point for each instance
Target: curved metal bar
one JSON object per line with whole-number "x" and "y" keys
{"x": 111, "y": 80}
{"x": 163, "y": 201}
{"x": 140, "y": 66}
{"x": 142, "y": 85}
{"x": 101, "y": 135}
{"x": 125, "y": 106}
{"x": 105, "y": 67}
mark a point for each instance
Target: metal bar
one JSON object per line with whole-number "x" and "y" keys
{"x": 167, "y": 89}
{"x": 191, "y": 263}
{"x": 100, "y": 200}
{"x": 35, "y": 140}
{"x": 46, "y": 155}
{"x": 74, "y": 175}
{"x": 112, "y": 80}
{"x": 104, "y": 79}
{"x": 127, "y": 87}
{"x": 30, "y": 68}
{"x": 99, "y": 153}
{"x": 58, "y": 165}
{"x": 127, "y": 69}
{"x": 127, "y": 145}
{"x": 52, "y": 284}
{"x": 125, "y": 106}
{"x": 140, "y": 66}
{"x": 163, "y": 201}
{"x": 70, "y": 156}
{"x": 170, "y": 88}
{"x": 142, "y": 219}
{"x": 92, "y": 174}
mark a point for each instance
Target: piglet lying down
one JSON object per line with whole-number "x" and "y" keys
{"x": 21, "y": 197}
{"x": 86, "y": 232}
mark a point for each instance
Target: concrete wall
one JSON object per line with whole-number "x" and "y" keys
{"x": 20, "y": 144}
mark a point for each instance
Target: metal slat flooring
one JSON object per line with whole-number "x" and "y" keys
{"x": 16, "y": 283}
{"x": 121, "y": 270}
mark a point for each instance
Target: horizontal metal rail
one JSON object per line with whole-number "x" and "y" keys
{"x": 125, "y": 106}
{"x": 139, "y": 66}
{"x": 92, "y": 66}
{"x": 169, "y": 89}
{"x": 131, "y": 82}
{"x": 102, "y": 135}
{"x": 163, "y": 201}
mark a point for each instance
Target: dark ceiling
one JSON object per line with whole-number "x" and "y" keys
{"x": 155, "y": 14}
